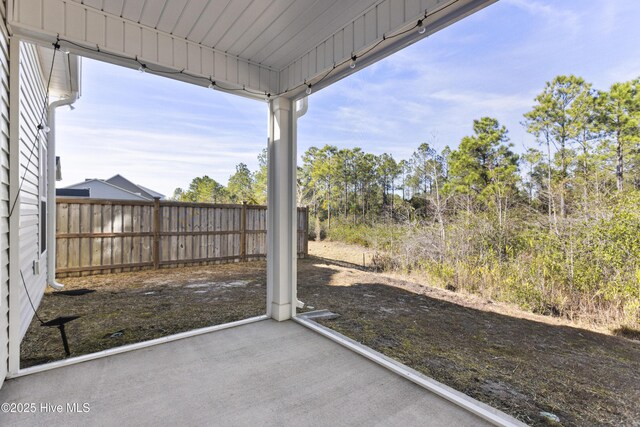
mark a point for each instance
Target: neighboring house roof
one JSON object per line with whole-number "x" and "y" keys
{"x": 153, "y": 193}
{"x": 122, "y": 182}
{"x": 100, "y": 189}
{"x": 117, "y": 187}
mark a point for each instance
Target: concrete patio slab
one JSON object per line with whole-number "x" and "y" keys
{"x": 263, "y": 373}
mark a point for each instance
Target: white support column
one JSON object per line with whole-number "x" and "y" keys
{"x": 281, "y": 214}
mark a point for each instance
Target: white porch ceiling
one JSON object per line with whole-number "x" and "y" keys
{"x": 265, "y": 46}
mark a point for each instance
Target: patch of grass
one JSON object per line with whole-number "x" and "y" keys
{"x": 380, "y": 237}
{"x": 627, "y": 332}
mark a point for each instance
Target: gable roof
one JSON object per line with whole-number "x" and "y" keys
{"x": 153, "y": 193}
{"x": 122, "y": 182}
{"x": 100, "y": 189}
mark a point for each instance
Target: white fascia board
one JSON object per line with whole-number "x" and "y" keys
{"x": 88, "y": 28}
{"x": 377, "y": 25}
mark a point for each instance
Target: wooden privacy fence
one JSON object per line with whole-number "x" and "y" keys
{"x": 111, "y": 236}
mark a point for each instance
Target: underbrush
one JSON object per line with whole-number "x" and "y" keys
{"x": 379, "y": 236}
{"x": 586, "y": 270}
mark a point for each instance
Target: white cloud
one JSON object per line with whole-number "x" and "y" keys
{"x": 415, "y": 99}
{"x": 552, "y": 13}
{"x": 492, "y": 103}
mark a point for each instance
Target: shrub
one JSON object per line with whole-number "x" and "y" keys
{"x": 587, "y": 267}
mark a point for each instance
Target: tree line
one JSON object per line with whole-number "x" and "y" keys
{"x": 587, "y": 150}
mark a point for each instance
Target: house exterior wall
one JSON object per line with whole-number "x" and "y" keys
{"x": 32, "y": 170}
{"x": 4, "y": 194}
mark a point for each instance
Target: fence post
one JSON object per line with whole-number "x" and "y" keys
{"x": 156, "y": 233}
{"x": 243, "y": 233}
{"x": 306, "y": 231}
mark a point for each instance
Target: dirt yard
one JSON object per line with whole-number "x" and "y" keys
{"x": 133, "y": 307}
{"x": 520, "y": 363}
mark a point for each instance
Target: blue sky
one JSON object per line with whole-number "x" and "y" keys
{"x": 162, "y": 133}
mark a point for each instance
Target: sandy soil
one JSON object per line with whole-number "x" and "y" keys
{"x": 520, "y": 363}
{"x": 338, "y": 251}
{"x": 133, "y": 307}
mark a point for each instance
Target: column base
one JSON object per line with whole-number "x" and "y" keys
{"x": 280, "y": 312}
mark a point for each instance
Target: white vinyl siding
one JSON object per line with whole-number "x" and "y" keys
{"x": 32, "y": 101}
{"x": 4, "y": 193}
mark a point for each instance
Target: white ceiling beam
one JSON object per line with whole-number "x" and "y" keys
{"x": 121, "y": 41}
{"x": 372, "y": 37}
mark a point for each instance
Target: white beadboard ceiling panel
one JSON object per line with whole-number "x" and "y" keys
{"x": 114, "y": 7}
{"x": 171, "y": 13}
{"x": 131, "y": 8}
{"x": 229, "y": 17}
{"x": 265, "y": 46}
{"x": 189, "y": 17}
{"x": 151, "y": 12}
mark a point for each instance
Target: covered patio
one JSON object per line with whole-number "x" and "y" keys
{"x": 280, "y": 368}
{"x": 259, "y": 372}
